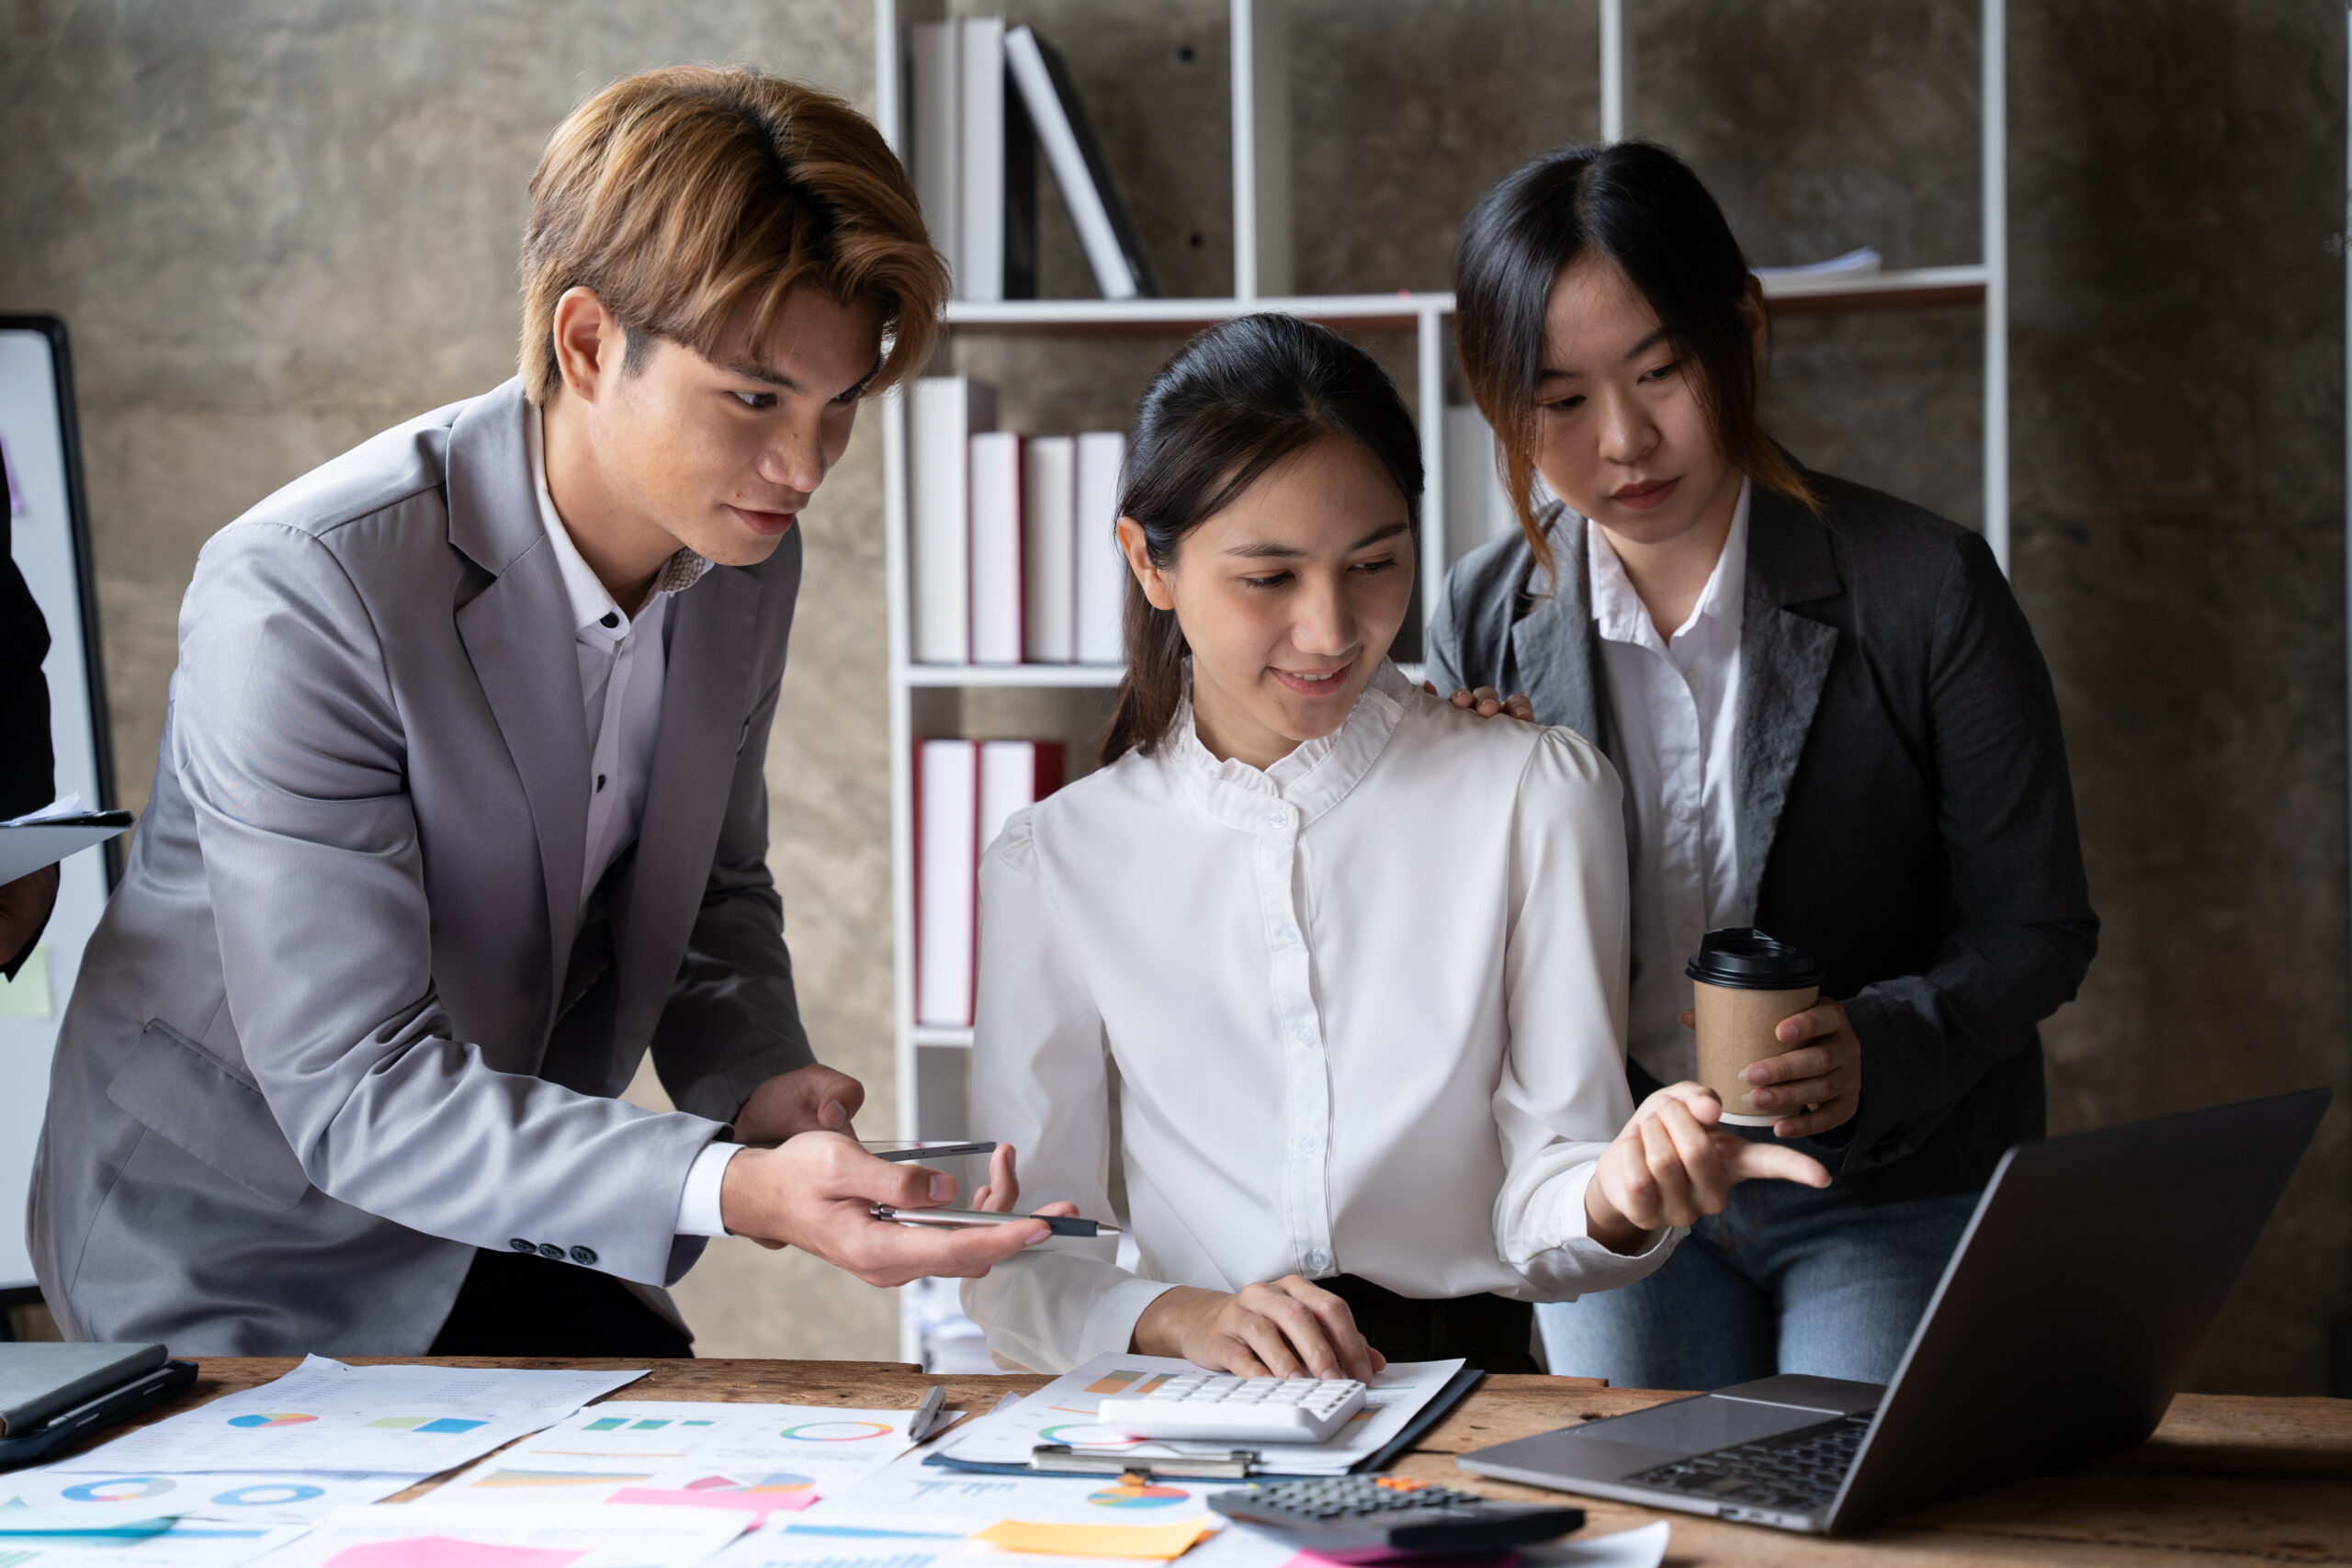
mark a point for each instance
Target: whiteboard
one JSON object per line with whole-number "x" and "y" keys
{"x": 50, "y": 539}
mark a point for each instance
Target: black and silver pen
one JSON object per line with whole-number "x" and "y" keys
{"x": 1059, "y": 1224}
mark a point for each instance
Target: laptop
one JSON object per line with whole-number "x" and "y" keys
{"x": 2062, "y": 1328}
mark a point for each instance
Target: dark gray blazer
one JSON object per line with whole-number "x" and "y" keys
{"x": 1903, "y": 804}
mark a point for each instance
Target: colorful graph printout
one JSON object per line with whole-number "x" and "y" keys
{"x": 751, "y": 1459}
{"x": 431, "y": 1535}
{"x": 1138, "y": 1495}
{"x": 245, "y": 1496}
{"x": 439, "y": 1417}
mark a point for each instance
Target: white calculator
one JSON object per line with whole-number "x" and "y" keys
{"x": 1231, "y": 1409}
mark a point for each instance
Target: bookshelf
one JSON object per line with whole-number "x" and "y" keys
{"x": 938, "y": 700}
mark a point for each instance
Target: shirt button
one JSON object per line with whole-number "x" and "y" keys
{"x": 1289, "y": 932}
{"x": 600, "y": 784}
{"x": 1684, "y": 811}
{"x": 1277, "y": 818}
{"x": 549, "y": 1249}
{"x": 519, "y": 1244}
{"x": 1316, "y": 1262}
{"x": 1304, "y": 1034}
{"x": 583, "y": 1255}
{"x": 1309, "y": 1144}
{"x": 611, "y": 618}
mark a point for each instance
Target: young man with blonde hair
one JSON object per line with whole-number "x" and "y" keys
{"x": 459, "y": 812}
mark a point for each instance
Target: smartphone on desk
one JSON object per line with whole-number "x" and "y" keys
{"x": 916, "y": 1148}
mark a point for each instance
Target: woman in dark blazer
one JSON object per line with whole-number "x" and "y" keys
{"x": 1833, "y": 724}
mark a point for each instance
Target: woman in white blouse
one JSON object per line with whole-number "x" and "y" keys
{"x": 1333, "y": 971}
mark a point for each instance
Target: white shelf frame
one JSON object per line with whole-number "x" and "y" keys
{"x": 1262, "y": 274}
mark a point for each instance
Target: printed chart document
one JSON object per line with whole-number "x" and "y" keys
{"x": 1065, "y": 1411}
{"x": 271, "y": 1497}
{"x": 928, "y": 1500}
{"x": 188, "y": 1543}
{"x": 435, "y": 1535}
{"x": 390, "y": 1420}
{"x": 752, "y": 1459}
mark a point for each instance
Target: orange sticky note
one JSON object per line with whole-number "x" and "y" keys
{"x": 1155, "y": 1542}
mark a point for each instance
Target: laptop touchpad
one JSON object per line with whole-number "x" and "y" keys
{"x": 1695, "y": 1426}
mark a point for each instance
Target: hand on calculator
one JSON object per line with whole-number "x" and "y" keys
{"x": 1291, "y": 1327}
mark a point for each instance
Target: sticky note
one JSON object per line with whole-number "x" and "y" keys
{"x": 1157, "y": 1543}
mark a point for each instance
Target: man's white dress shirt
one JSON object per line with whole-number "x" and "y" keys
{"x": 1674, "y": 710}
{"x": 1362, "y": 1013}
{"x": 623, "y": 661}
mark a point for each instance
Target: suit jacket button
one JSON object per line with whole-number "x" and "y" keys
{"x": 549, "y": 1249}
{"x": 583, "y": 1255}
{"x": 519, "y": 1244}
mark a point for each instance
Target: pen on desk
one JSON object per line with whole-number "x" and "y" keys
{"x": 1059, "y": 1224}
{"x": 926, "y": 1414}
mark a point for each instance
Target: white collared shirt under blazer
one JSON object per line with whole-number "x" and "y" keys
{"x": 1364, "y": 1013}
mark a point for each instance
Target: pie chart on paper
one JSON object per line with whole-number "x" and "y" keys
{"x": 271, "y": 1418}
{"x": 1133, "y": 1496}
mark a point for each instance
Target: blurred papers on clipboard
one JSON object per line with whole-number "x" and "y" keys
{"x": 1405, "y": 1398}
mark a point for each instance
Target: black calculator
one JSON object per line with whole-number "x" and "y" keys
{"x": 1368, "y": 1518}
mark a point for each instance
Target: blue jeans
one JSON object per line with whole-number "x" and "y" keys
{"x": 1787, "y": 1279}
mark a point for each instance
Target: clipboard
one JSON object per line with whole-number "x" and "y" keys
{"x": 26, "y": 846}
{"x": 1229, "y": 1467}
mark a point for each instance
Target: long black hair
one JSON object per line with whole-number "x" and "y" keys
{"x": 1236, "y": 400}
{"x": 1641, "y": 206}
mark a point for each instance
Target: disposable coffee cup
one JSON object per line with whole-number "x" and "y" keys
{"x": 1744, "y": 985}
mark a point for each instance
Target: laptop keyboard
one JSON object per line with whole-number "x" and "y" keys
{"x": 1793, "y": 1471}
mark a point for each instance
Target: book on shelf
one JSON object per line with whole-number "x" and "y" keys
{"x": 1050, "y": 536}
{"x": 1065, "y": 137}
{"x": 936, "y": 99}
{"x": 1013, "y": 545}
{"x": 986, "y": 101}
{"x": 1102, "y": 569}
{"x": 996, "y": 567}
{"x": 998, "y": 162}
{"x": 947, "y": 830}
{"x": 942, "y": 416}
{"x": 965, "y": 792}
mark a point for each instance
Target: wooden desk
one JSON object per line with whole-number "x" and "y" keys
{"x": 2224, "y": 1481}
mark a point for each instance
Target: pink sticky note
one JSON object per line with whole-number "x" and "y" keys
{"x": 448, "y": 1551}
{"x": 760, "y": 1503}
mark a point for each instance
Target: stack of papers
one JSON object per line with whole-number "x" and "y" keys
{"x": 753, "y": 1460}
{"x": 253, "y": 1472}
{"x": 1065, "y": 1411}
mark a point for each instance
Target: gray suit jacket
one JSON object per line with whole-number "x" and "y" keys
{"x": 1904, "y": 809}
{"x": 345, "y": 1020}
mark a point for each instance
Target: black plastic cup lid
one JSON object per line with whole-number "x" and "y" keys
{"x": 1741, "y": 958}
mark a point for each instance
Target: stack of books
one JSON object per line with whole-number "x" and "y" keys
{"x": 987, "y": 101}
{"x": 1014, "y": 555}
{"x": 965, "y": 791}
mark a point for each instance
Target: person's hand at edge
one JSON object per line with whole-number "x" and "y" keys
{"x": 1003, "y": 1190}
{"x": 1822, "y": 1082}
{"x": 1673, "y": 1163}
{"x": 1485, "y": 702}
{"x": 814, "y": 1099}
{"x": 25, "y": 905}
{"x": 816, "y": 1191}
{"x": 1289, "y": 1327}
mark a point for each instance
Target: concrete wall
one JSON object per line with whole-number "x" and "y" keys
{"x": 276, "y": 226}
